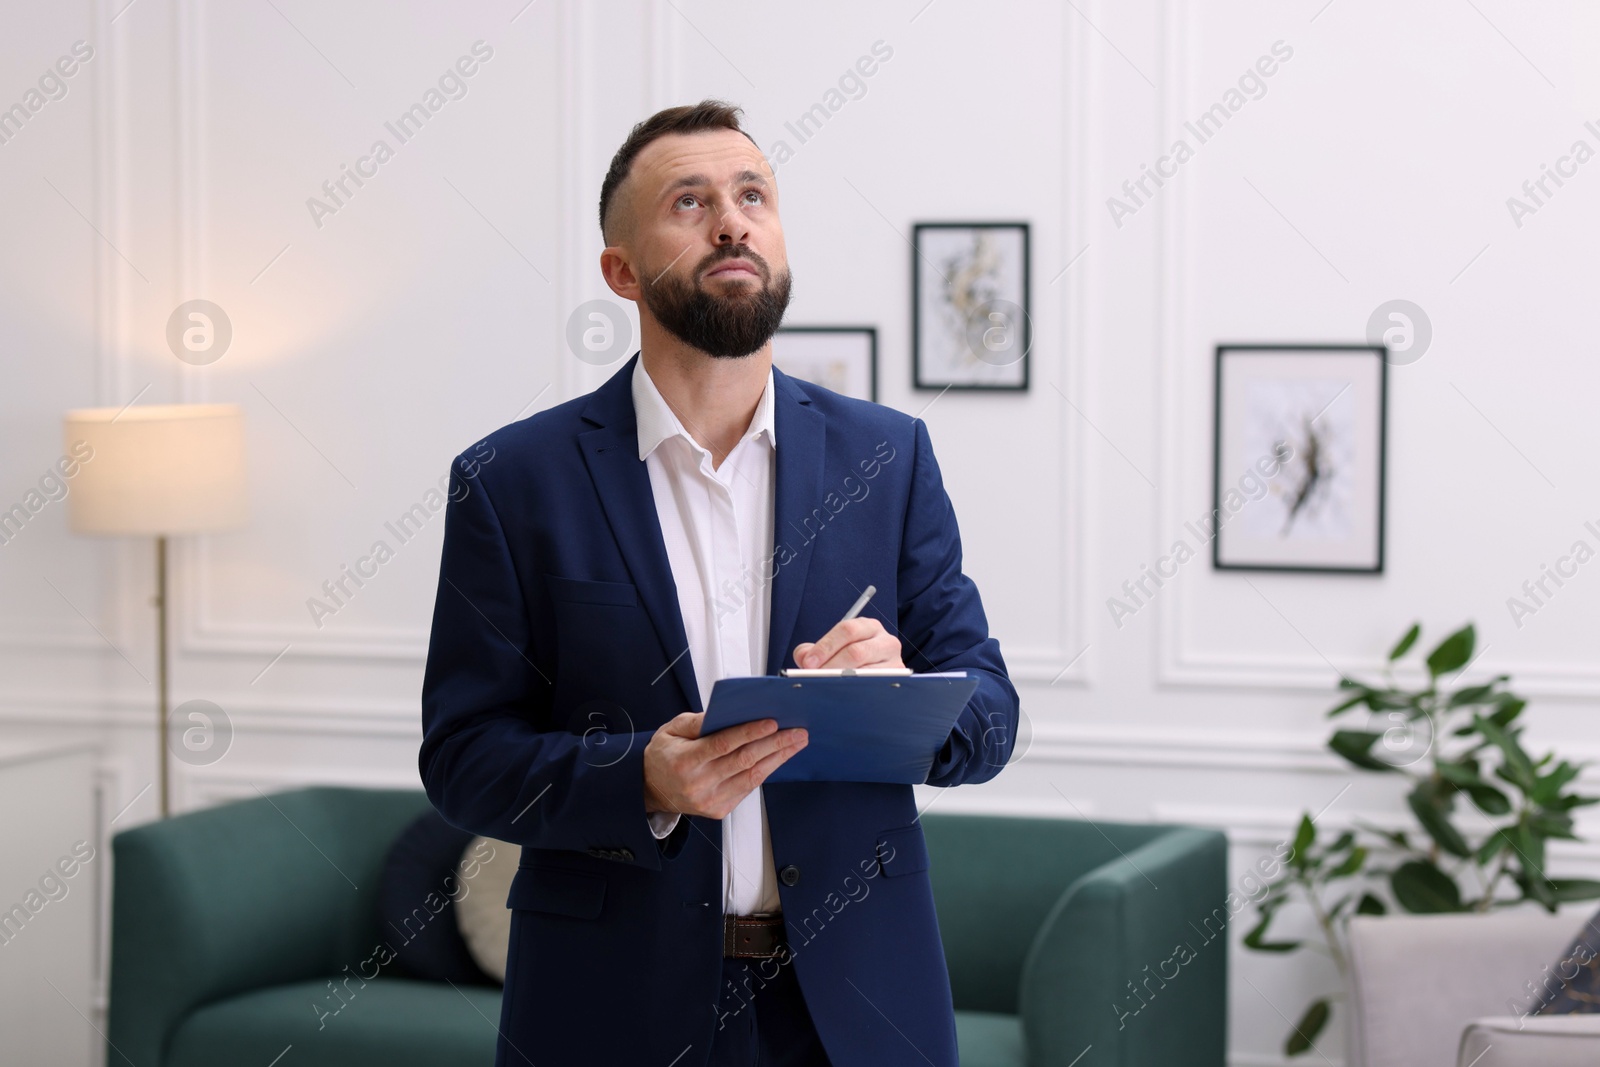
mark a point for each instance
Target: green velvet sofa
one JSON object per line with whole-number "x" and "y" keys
{"x": 230, "y": 926}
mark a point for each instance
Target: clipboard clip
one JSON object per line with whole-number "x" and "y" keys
{"x": 846, "y": 672}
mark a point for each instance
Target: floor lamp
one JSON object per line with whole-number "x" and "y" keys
{"x": 161, "y": 471}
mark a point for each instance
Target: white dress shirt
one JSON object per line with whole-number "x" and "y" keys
{"x": 717, "y": 525}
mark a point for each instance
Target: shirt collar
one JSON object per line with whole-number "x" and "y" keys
{"x": 657, "y": 422}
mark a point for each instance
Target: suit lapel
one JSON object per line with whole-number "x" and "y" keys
{"x": 798, "y": 489}
{"x": 622, "y": 481}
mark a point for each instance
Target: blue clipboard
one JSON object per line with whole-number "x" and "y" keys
{"x": 859, "y": 729}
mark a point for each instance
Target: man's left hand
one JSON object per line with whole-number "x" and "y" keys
{"x": 859, "y": 642}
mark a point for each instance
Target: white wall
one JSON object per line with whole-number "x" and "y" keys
{"x": 432, "y": 307}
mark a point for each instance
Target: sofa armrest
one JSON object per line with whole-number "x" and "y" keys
{"x": 1416, "y": 981}
{"x": 242, "y": 896}
{"x": 1537, "y": 1041}
{"x": 1133, "y": 960}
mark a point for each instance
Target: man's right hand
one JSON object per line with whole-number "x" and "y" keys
{"x": 687, "y": 774}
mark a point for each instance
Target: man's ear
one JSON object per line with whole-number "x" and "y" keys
{"x": 617, "y": 270}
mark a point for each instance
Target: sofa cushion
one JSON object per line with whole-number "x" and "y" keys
{"x": 1531, "y": 1041}
{"x": 387, "y": 1022}
{"x": 990, "y": 1039}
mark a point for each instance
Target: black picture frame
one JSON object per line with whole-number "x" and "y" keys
{"x": 869, "y": 332}
{"x": 923, "y": 376}
{"x": 1379, "y": 476}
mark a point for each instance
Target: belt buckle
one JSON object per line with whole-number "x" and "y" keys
{"x": 756, "y": 936}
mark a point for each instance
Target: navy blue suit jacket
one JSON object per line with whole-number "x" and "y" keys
{"x": 558, "y": 648}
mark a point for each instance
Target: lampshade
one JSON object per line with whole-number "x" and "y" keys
{"x": 161, "y": 469}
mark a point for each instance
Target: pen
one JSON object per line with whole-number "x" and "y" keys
{"x": 823, "y": 672}
{"x": 834, "y": 672}
{"x": 861, "y": 602}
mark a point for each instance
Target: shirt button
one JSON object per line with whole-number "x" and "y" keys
{"x": 789, "y": 875}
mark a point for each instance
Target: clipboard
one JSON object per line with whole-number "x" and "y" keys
{"x": 861, "y": 728}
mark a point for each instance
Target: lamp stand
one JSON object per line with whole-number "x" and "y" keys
{"x": 163, "y": 727}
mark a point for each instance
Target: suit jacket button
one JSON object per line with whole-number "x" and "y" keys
{"x": 789, "y": 875}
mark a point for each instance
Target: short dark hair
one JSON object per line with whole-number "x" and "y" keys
{"x": 686, "y": 118}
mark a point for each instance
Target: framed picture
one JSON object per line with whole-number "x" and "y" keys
{"x": 970, "y": 326}
{"x": 1298, "y": 482}
{"x": 841, "y": 358}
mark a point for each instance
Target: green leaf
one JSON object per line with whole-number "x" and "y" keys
{"x": 1496, "y": 843}
{"x": 1474, "y": 694}
{"x": 1397, "y": 838}
{"x": 1464, "y": 774}
{"x": 1349, "y": 702}
{"x": 1542, "y": 891}
{"x": 1371, "y": 905}
{"x": 1256, "y": 938}
{"x": 1392, "y": 700}
{"x": 1549, "y": 786}
{"x": 1517, "y": 768}
{"x": 1552, "y": 824}
{"x": 1510, "y": 708}
{"x": 1431, "y": 805}
{"x": 1307, "y": 1029}
{"x": 1404, "y": 644}
{"x": 1489, "y": 800}
{"x": 1355, "y": 746}
{"x": 1303, "y": 839}
{"x": 1529, "y": 849}
{"x": 1351, "y": 864}
{"x": 1423, "y": 889}
{"x": 1453, "y": 653}
{"x": 1459, "y": 772}
{"x": 1569, "y": 889}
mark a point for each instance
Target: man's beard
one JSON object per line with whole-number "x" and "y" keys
{"x": 725, "y": 326}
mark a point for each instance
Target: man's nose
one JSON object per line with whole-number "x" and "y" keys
{"x": 731, "y": 227}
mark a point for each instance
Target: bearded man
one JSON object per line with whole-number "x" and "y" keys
{"x": 687, "y": 522}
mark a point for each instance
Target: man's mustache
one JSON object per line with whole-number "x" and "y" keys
{"x": 732, "y": 252}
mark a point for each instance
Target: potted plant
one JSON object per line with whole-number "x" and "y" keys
{"x": 1462, "y": 751}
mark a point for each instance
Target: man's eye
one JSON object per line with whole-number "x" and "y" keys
{"x": 760, "y": 199}
{"x": 686, "y": 196}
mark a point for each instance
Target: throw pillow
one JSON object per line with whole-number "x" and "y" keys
{"x": 1572, "y": 985}
{"x": 482, "y": 915}
{"x": 424, "y": 878}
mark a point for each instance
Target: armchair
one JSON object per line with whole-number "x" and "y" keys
{"x": 1441, "y": 990}
{"x": 1061, "y": 934}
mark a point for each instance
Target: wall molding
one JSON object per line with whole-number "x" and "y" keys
{"x": 1066, "y": 665}
{"x": 305, "y": 717}
{"x": 1050, "y": 741}
{"x": 1177, "y": 665}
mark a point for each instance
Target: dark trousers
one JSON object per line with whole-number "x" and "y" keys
{"x": 762, "y": 1019}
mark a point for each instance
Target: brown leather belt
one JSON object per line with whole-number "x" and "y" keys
{"x": 753, "y": 936}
